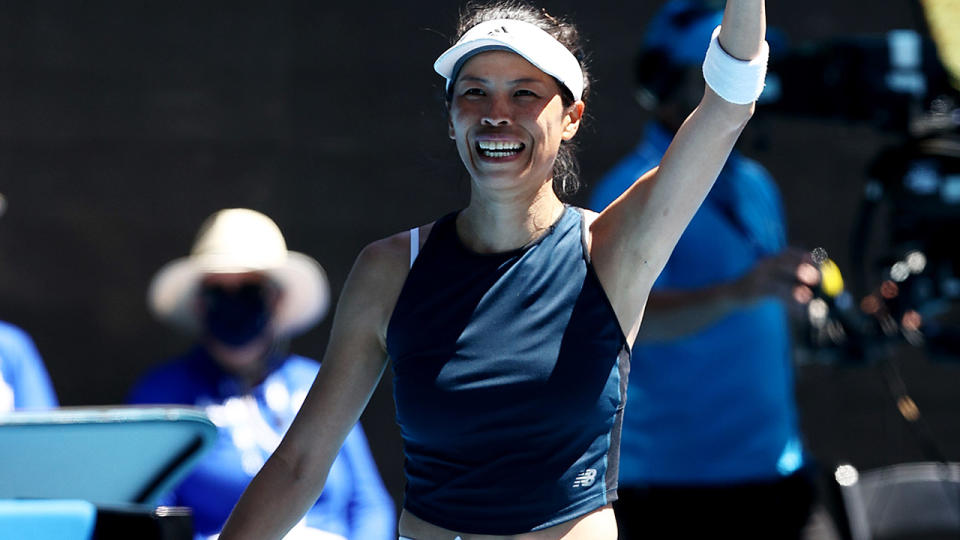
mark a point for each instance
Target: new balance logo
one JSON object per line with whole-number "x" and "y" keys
{"x": 586, "y": 478}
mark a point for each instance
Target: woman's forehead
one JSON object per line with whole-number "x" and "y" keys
{"x": 499, "y": 65}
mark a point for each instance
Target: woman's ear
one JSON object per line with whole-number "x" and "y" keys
{"x": 571, "y": 120}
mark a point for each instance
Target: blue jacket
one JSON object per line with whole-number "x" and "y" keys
{"x": 716, "y": 406}
{"x": 354, "y": 503}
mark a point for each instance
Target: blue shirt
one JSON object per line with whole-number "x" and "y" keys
{"x": 716, "y": 406}
{"x": 509, "y": 377}
{"x": 24, "y": 383}
{"x": 354, "y": 503}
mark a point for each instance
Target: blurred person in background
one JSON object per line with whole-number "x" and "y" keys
{"x": 24, "y": 382}
{"x": 243, "y": 295}
{"x": 711, "y": 444}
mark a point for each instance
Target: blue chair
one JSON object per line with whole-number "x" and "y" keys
{"x": 46, "y": 519}
{"x": 57, "y": 465}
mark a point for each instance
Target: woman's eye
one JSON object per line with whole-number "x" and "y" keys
{"x": 529, "y": 93}
{"x": 473, "y": 92}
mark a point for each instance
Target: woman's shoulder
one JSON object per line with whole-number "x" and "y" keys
{"x": 395, "y": 251}
{"x": 378, "y": 275}
{"x": 385, "y": 251}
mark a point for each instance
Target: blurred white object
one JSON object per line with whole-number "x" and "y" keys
{"x": 301, "y": 532}
{"x": 903, "y": 499}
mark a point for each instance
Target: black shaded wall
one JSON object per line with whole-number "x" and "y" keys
{"x": 124, "y": 124}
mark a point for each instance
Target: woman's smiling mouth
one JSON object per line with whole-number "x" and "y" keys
{"x": 499, "y": 149}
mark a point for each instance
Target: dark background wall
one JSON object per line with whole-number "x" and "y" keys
{"x": 124, "y": 124}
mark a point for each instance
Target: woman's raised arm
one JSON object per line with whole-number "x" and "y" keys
{"x": 292, "y": 479}
{"x": 631, "y": 240}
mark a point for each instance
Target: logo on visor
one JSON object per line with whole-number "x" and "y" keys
{"x": 586, "y": 478}
{"x": 501, "y": 30}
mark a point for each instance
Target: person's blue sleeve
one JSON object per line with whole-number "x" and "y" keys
{"x": 372, "y": 514}
{"x": 169, "y": 383}
{"x": 148, "y": 390}
{"x": 757, "y": 205}
{"x": 610, "y": 187}
{"x": 618, "y": 179}
{"x": 28, "y": 376}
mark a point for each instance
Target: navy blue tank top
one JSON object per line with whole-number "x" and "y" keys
{"x": 510, "y": 375}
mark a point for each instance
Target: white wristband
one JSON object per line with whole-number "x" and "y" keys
{"x": 737, "y": 81}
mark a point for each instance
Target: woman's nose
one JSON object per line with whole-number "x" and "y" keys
{"x": 497, "y": 113}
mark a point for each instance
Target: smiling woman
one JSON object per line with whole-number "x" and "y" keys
{"x": 508, "y": 120}
{"x": 558, "y": 51}
{"x": 508, "y": 323}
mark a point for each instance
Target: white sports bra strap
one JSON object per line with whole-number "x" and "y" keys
{"x": 414, "y": 244}
{"x": 585, "y": 221}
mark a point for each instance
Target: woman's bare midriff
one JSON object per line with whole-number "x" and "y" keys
{"x": 597, "y": 525}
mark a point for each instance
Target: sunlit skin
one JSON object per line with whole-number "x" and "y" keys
{"x": 501, "y": 97}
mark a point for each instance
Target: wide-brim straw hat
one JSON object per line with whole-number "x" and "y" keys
{"x": 238, "y": 240}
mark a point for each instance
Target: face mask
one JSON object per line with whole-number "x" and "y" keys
{"x": 237, "y": 316}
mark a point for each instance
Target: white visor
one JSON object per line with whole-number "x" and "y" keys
{"x": 528, "y": 40}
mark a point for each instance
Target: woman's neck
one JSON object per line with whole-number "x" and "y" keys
{"x": 497, "y": 223}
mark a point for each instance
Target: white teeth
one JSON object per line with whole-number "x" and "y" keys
{"x": 499, "y": 149}
{"x": 500, "y": 146}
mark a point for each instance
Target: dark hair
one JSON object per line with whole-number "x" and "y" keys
{"x": 566, "y": 170}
